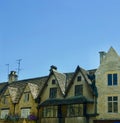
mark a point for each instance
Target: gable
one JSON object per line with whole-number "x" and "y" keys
{"x": 6, "y": 92}
{"x": 61, "y": 79}
{"x": 5, "y": 98}
{"x": 52, "y": 88}
{"x": 34, "y": 89}
{"x": 13, "y": 93}
{"x": 110, "y": 62}
{"x": 80, "y": 81}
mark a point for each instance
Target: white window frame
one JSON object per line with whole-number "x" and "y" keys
{"x": 4, "y": 112}
{"x": 25, "y": 112}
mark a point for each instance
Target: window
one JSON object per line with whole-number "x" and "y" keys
{"x": 112, "y": 79}
{"x": 53, "y": 92}
{"x": 79, "y": 78}
{"x": 5, "y": 99}
{"x": 78, "y": 90}
{"x": 53, "y": 81}
{"x": 4, "y": 112}
{"x": 113, "y": 104}
{"x": 50, "y": 111}
{"x": 25, "y": 112}
{"x": 26, "y": 97}
{"x": 74, "y": 110}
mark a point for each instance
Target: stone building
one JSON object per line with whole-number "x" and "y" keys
{"x": 82, "y": 96}
{"x": 108, "y": 86}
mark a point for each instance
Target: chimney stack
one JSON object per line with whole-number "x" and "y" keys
{"x": 12, "y": 76}
{"x": 102, "y": 55}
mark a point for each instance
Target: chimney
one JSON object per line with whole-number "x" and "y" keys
{"x": 102, "y": 56}
{"x": 53, "y": 68}
{"x": 12, "y": 76}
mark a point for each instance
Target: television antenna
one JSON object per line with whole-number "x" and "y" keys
{"x": 19, "y": 63}
{"x": 7, "y": 68}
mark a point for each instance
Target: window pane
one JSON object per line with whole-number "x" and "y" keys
{"x": 79, "y": 78}
{"x": 73, "y": 110}
{"x": 4, "y": 113}
{"x": 115, "y": 107}
{"x": 109, "y": 98}
{"x": 25, "y": 113}
{"x": 115, "y": 98}
{"x": 50, "y": 111}
{"x": 109, "y": 79}
{"x": 78, "y": 90}
{"x": 26, "y": 97}
{"x": 53, "y": 92}
{"x": 53, "y": 81}
{"x": 114, "y": 79}
{"x": 109, "y": 106}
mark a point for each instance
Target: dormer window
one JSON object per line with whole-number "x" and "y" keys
{"x": 26, "y": 97}
{"x": 5, "y": 100}
{"x": 79, "y": 78}
{"x": 53, "y": 82}
{"x": 112, "y": 79}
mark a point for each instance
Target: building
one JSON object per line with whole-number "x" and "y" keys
{"x": 82, "y": 96}
{"x": 108, "y": 86}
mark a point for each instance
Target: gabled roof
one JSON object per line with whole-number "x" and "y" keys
{"x": 111, "y": 61}
{"x": 36, "y": 86}
{"x": 61, "y": 79}
{"x": 17, "y": 88}
{"x": 111, "y": 55}
{"x": 84, "y": 74}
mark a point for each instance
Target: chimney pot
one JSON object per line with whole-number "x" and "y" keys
{"x": 52, "y": 67}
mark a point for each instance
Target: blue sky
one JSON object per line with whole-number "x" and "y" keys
{"x": 64, "y": 33}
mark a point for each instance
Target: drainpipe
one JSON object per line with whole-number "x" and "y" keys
{"x": 85, "y": 112}
{"x": 38, "y": 108}
{"x": 95, "y": 100}
{"x": 59, "y": 114}
{"x": 14, "y": 108}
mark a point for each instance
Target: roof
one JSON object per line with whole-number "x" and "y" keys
{"x": 36, "y": 85}
{"x": 17, "y": 88}
{"x": 88, "y": 76}
{"x": 61, "y": 79}
{"x": 3, "y": 87}
{"x": 72, "y": 100}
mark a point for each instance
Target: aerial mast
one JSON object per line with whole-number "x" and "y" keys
{"x": 19, "y": 63}
{"x": 7, "y": 69}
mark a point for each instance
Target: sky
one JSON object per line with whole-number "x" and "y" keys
{"x": 64, "y": 33}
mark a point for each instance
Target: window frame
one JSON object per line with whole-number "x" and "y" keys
{"x": 74, "y": 110}
{"x": 79, "y": 78}
{"x": 112, "y": 104}
{"x": 78, "y": 90}
{"x": 112, "y": 79}
{"x": 53, "y": 92}
{"x": 50, "y": 111}
{"x": 25, "y": 112}
{"x": 5, "y": 100}
{"x": 53, "y": 81}
{"x": 26, "y": 97}
{"x": 4, "y": 112}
